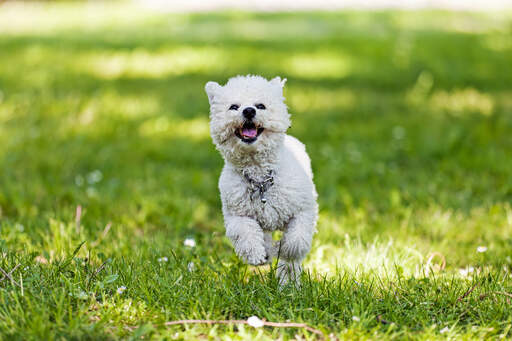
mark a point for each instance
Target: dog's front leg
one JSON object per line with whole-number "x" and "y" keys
{"x": 295, "y": 245}
{"x": 297, "y": 237}
{"x": 247, "y": 237}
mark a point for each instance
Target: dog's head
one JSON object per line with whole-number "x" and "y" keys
{"x": 247, "y": 114}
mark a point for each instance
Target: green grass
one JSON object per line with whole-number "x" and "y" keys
{"x": 407, "y": 117}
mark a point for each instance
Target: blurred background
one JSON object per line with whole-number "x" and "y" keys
{"x": 326, "y": 5}
{"x": 405, "y": 108}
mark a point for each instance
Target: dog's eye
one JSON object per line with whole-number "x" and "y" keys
{"x": 234, "y": 107}
{"x": 260, "y": 106}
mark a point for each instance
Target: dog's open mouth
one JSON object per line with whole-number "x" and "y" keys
{"x": 249, "y": 132}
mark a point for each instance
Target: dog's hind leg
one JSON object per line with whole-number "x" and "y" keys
{"x": 270, "y": 246}
{"x": 289, "y": 271}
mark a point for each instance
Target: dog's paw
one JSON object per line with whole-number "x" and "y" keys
{"x": 252, "y": 253}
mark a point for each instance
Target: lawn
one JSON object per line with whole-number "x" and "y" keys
{"x": 110, "y": 215}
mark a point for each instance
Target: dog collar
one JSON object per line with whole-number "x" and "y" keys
{"x": 259, "y": 187}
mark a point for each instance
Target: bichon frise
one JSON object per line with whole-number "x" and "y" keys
{"x": 266, "y": 183}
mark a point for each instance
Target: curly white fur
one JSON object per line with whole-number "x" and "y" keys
{"x": 291, "y": 202}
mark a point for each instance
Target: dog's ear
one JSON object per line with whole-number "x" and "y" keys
{"x": 212, "y": 89}
{"x": 278, "y": 81}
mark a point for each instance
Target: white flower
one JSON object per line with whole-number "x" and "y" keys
{"x": 94, "y": 176}
{"x": 163, "y": 259}
{"x": 465, "y": 272}
{"x": 191, "y": 266}
{"x": 82, "y": 295}
{"x": 189, "y": 242}
{"x": 254, "y": 321}
{"x": 398, "y": 132}
{"x": 481, "y": 249}
{"x": 121, "y": 289}
{"x": 79, "y": 180}
{"x": 444, "y": 330}
{"x": 356, "y": 318}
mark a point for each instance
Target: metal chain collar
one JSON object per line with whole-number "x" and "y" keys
{"x": 260, "y": 187}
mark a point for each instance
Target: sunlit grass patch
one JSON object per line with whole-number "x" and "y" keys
{"x": 318, "y": 65}
{"x": 455, "y": 102}
{"x": 39, "y": 18}
{"x": 379, "y": 259}
{"x": 111, "y": 104}
{"x": 462, "y": 101}
{"x": 471, "y": 22}
{"x": 195, "y": 129}
{"x": 319, "y": 100}
{"x": 154, "y": 64}
{"x": 431, "y": 233}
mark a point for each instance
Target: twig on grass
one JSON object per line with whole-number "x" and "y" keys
{"x": 265, "y": 323}
{"x": 506, "y": 294}
{"x": 381, "y": 320}
{"x": 96, "y": 272}
{"x": 468, "y": 292}
{"x": 100, "y": 268}
{"x": 103, "y": 235}
{"x": 78, "y": 217}
{"x": 10, "y": 272}
{"x": 431, "y": 257}
{"x": 8, "y": 275}
{"x": 503, "y": 293}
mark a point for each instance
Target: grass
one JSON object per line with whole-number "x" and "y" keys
{"x": 407, "y": 118}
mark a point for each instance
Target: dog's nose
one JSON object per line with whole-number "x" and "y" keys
{"x": 249, "y": 113}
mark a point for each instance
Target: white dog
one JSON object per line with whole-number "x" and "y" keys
{"x": 267, "y": 182}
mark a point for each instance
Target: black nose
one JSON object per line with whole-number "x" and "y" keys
{"x": 249, "y": 113}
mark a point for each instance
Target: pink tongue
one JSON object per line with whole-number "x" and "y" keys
{"x": 249, "y": 132}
